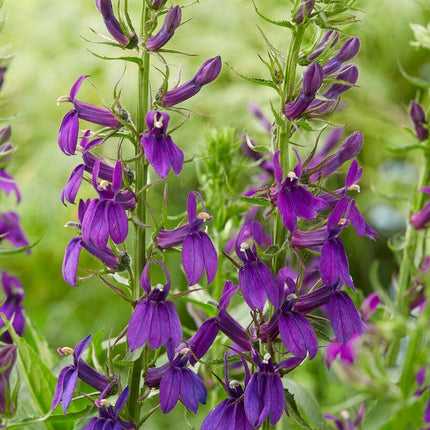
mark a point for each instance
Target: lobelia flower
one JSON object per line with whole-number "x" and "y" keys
{"x": 312, "y": 81}
{"x": 68, "y": 377}
{"x": 348, "y": 51}
{"x": 11, "y": 306}
{"x": 420, "y": 219}
{"x": 11, "y": 231}
{"x": 157, "y": 4}
{"x": 305, "y": 9}
{"x": 177, "y": 382}
{"x": 258, "y": 113}
{"x": 293, "y": 200}
{"x": 113, "y": 26}
{"x": 69, "y": 128}
{"x": 198, "y": 252}
{"x": 106, "y": 216}
{"x": 418, "y": 117}
{"x": 8, "y": 184}
{"x": 230, "y": 413}
{"x": 344, "y": 422}
{"x": 154, "y": 319}
{"x": 348, "y": 352}
{"x": 208, "y": 72}
{"x": 170, "y": 24}
{"x": 330, "y": 39}
{"x": 256, "y": 280}
{"x": 264, "y": 394}
{"x": 109, "y": 416}
{"x": 7, "y": 361}
{"x": 296, "y": 332}
{"x": 159, "y": 147}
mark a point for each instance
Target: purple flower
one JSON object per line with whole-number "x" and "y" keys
{"x": 258, "y": 113}
{"x": 208, "y": 72}
{"x": 293, "y": 200}
{"x": 264, "y": 394}
{"x": 348, "y": 51}
{"x": 344, "y": 317}
{"x": 109, "y": 416}
{"x": 198, "y": 252}
{"x": 170, "y": 24}
{"x": 422, "y": 388}
{"x": 420, "y": 219}
{"x": 159, "y": 148}
{"x": 256, "y": 280}
{"x": 112, "y": 24}
{"x": 345, "y": 423}
{"x": 69, "y": 129}
{"x": 11, "y": 306}
{"x": 306, "y": 7}
{"x": 418, "y": 117}
{"x": 7, "y": 361}
{"x": 69, "y": 375}
{"x": 230, "y": 413}
{"x": 177, "y": 382}
{"x": 312, "y": 81}
{"x": 330, "y": 39}
{"x": 8, "y": 185}
{"x": 154, "y": 319}
{"x": 157, "y": 4}
{"x": 11, "y": 231}
{"x": 106, "y": 216}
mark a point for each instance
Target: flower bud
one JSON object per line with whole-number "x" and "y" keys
{"x": 305, "y": 7}
{"x": 330, "y": 38}
{"x": 312, "y": 79}
{"x": 157, "y": 4}
{"x": 349, "y": 49}
{"x": 418, "y": 117}
{"x": 170, "y": 24}
{"x": 208, "y": 71}
{"x": 7, "y": 361}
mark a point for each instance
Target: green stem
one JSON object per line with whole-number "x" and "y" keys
{"x": 409, "y": 259}
{"x": 141, "y": 180}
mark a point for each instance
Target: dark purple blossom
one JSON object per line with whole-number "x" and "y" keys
{"x": 208, "y": 72}
{"x": 7, "y": 361}
{"x": 230, "y": 413}
{"x": 170, "y": 24}
{"x": 305, "y": 9}
{"x": 106, "y": 217}
{"x": 293, "y": 200}
{"x": 11, "y": 231}
{"x": 69, "y": 129}
{"x": 68, "y": 377}
{"x": 330, "y": 39}
{"x": 154, "y": 319}
{"x": 264, "y": 394}
{"x": 198, "y": 252}
{"x": 418, "y": 117}
{"x": 157, "y": 4}
{"x": 256, "y": 280}
{"x": 160, "y": 150}
{"x": 112, "y": 24}
{"x": 109, "y": 418}
{"x": 347, "y": 51}
{"x": 312, "y": 81}
{"x": 177, "y": 382}
{"x": 11, "y": 306}
{"x": 420, "y": 219}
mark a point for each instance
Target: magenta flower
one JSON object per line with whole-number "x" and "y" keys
{"x": 154, "y": 319}
{"x": 159, "y": 147}
{"x": 68, "y": 377}
{"x": 170, "y": 24}
{"x": 69, "y": 129}
{"x": 8, "y": 184}
{"x": 109, "y": 416}
{"x": 198, "y": 252}
{"x": 293, "y": 200}
{"x": 11, "y": 306}
{"x": 11, "y": 231}
{"x": 208, "y": 72}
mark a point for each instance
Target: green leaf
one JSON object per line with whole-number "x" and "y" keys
{"x": 413, "y": 80}
{"x": 35, "y": 375}
{"x": 259, "y": 81}
{"x": 404, "y": 149}
{"x": 294, "y": 412}
{"x": 379, "y": 414}
{"x": 284, "y": 23}
{"x": 306, "y": 404}
{"x": 136, "y": 60}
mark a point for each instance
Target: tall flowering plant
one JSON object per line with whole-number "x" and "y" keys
{"x": 264, "y": 272}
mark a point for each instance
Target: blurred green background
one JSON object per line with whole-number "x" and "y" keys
{"x": 49, "y": 40}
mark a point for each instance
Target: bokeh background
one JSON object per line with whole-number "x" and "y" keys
{"x": 50, "y": 44}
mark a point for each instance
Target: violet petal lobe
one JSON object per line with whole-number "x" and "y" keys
{"x": 118, "y": 222}
{"x": 169, "y": 389}
{"x": 192, "y": 257}
{"x": 138, "y": 327}
{"x": 71, "y": 260}
{"x": 68, "y": 133}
